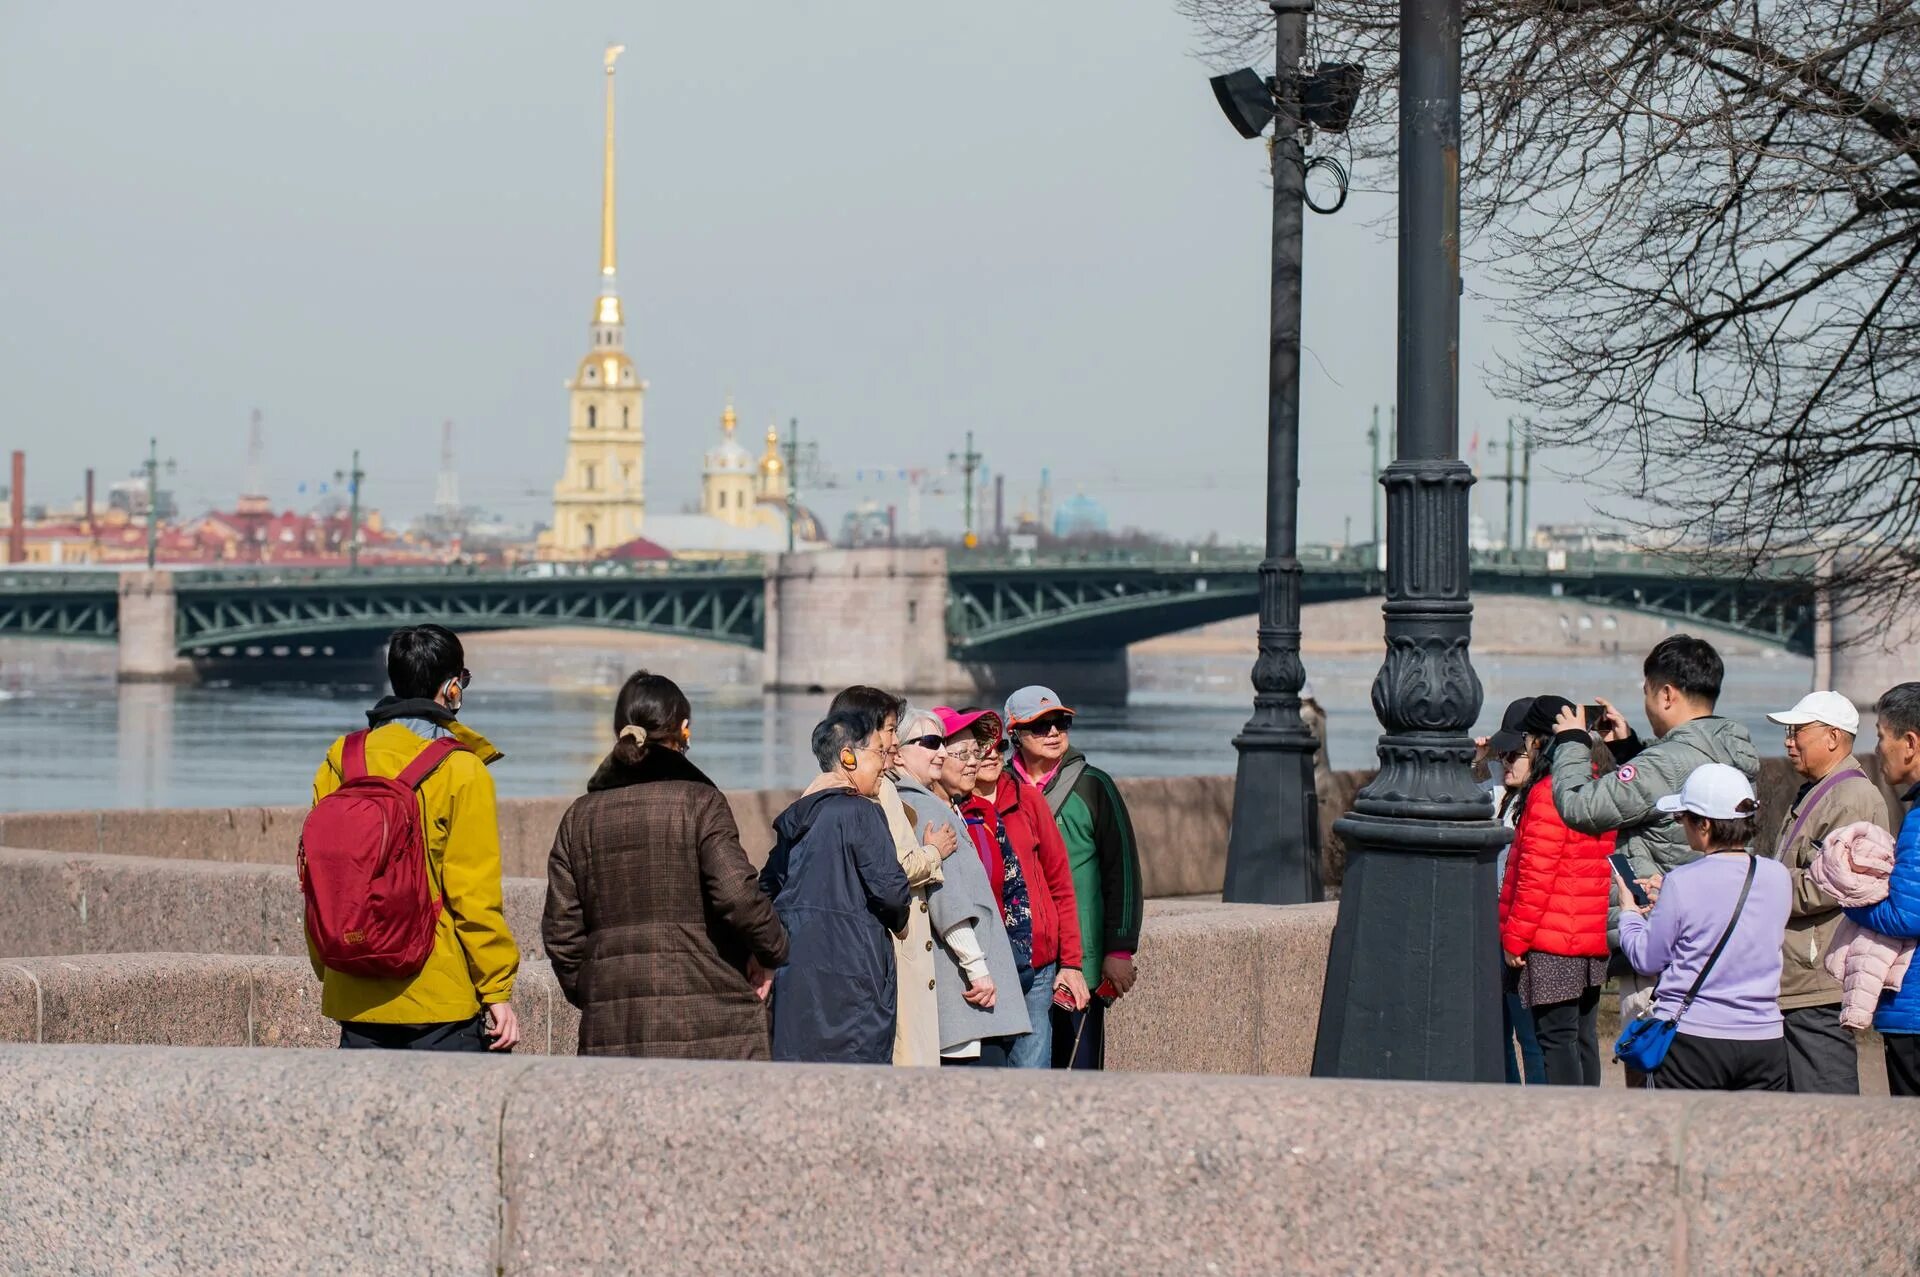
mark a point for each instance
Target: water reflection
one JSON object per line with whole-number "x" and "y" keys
{"x": 70, "y": 737}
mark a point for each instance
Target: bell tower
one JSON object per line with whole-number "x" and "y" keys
{"x": 600, "y": 501}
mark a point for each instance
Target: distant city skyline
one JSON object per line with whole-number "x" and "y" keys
{"x": 895, "y": 226}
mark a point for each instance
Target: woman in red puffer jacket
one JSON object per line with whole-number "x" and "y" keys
{"x": 1553, "y": 914}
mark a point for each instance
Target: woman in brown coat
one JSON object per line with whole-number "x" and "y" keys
{"x": 655, "y": 923}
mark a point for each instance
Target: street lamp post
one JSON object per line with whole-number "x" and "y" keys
{"x": 1413, "y": 978}
{"x": 1273, "y": 844}
{"x": 152, "y": 467}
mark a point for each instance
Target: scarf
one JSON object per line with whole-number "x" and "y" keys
{"x": 1016, "y": 911}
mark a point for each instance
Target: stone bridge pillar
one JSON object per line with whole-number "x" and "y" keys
{"x": 838, "y": 617}
{"x": 148, "y": 653}
{"x": 1861, "y": 648}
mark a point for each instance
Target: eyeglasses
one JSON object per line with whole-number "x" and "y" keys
{"x": 1048, "y": 726}
{"x": 1795, "y": 730}
{"x": 931, "y": 744}
{"x": 964, "y": 753}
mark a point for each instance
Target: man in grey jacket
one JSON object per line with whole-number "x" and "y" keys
{"x": 1682, "y": 685}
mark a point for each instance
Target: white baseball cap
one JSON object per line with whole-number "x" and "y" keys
{"x": 1716, "y": 791}
{"x": 1830, "y": 708}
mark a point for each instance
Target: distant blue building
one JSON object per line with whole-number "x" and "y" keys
{"x": 1079, "y": 515}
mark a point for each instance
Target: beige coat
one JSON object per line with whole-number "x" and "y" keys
{"x": 916, "y": 1029}
{"x": 1804, "y": 981}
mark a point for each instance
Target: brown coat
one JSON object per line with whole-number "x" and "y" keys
{"x": 1804, "y": 981}
{"x": 652, "y": 912}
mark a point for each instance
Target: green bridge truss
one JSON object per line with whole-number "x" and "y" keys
{"x": 998, "y": 607}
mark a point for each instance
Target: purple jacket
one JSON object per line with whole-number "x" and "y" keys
{"x": 1741, "y": 999}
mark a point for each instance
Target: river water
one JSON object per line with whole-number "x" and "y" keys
{"x": 71, "y": 738}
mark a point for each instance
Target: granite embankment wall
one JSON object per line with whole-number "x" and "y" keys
{"x": 1181, "y": 823}
{"x": 269, "y": 1162}
{"x": 121, "y": 950}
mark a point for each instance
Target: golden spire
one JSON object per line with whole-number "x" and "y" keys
{"x": 608, "y": 310}
{"x": 728, "y": 420}
{"x": 770, "y": 463}
{"x": 606, "y": 198}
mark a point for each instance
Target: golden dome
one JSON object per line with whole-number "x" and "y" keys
{"x": 606, "y": 368}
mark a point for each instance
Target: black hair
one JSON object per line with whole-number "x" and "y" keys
{"x": 653, "y": 703}
{"x": 1740, "y": 831}
{"x": 1687, "y": 663}
{"x": 841, "y": 729}
{"x": 422, "y": 659}
{"x": 881, "y": 704}
{"x": 1899, "y": 708}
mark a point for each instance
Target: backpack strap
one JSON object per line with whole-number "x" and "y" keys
{"x": 353, "y": 757}
{"x": 1745, "y": 887}
{"x": 424, "y": 763}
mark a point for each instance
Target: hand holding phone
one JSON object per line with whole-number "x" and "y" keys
{"x": 1624, "y": 869}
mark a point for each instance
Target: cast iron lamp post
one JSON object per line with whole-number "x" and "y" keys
{"x": 1413, "y": 978}
{"x": 1273, "y": 846}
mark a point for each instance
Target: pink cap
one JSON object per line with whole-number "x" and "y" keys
{"x": 953, "y": 722}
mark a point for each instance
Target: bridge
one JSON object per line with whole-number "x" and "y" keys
{"x": 998, "y": 608}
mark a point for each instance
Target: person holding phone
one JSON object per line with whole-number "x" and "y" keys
{"x": 1553, "y": 911}
{"x": 1711, "y": 941}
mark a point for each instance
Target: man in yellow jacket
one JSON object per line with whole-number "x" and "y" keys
{"x": 459, "y": 1000}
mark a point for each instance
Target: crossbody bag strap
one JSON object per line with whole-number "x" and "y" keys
{"x": 1753, "y": 863}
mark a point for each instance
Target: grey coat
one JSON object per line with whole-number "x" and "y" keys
{"x": 965, "y": 896}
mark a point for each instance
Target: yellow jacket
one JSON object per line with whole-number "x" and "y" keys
{"x": 474, "y": 956}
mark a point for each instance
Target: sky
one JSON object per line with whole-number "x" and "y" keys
{"x": 896, "y": 223}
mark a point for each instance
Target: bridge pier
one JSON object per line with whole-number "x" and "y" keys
{"x": 839, "y": 617}
{"x": 1862, "y": 647}
{"x": 149, "y": 651}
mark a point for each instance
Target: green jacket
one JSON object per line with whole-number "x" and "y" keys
{"x": 1105, "y": 861}
{"x": 1623, "y": 799}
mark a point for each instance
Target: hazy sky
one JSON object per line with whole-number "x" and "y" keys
{"x": 895, "y": 222}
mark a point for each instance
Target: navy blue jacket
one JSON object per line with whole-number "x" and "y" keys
{"x": 838, "y": 887}
{"x": 1899, "y": 916}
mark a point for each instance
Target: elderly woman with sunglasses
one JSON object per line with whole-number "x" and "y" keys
{"x": 1027, "y": 832}
{"x": 1098, "y": 832}
{"x": 975, "y": 972}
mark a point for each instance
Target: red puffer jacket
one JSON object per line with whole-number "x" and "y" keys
{"x": 1555, "y": 897}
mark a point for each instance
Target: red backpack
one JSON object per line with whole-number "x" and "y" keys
{"x": 363, "y": 867}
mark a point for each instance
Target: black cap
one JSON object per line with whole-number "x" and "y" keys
{"x": 1512, "y": 736}
{"x": 1546, "y": 709}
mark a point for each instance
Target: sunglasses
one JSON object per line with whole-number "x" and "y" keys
{"x": 464, "y": 678}
{"x": 1048, "y": 726}
{"x": 929, "y": 743}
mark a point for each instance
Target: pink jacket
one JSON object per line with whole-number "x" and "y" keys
{"x": 1853, "y": 867}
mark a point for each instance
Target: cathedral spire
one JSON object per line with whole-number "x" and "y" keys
{"x": 607, "y": 313}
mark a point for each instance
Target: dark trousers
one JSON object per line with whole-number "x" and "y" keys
{"x": 1080, "y": 1037}
{"x": 460, "y": 1035}
{"x": 1530, "y": 1068}
{"x": 1722, "y": 1064}
{"x": 993, "y": 1055}
{"x": 1903, "y": 1063}
{"x": 1569, "y": 1039}
{"x": 1821, "y": 1056}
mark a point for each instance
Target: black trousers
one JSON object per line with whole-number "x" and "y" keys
{"x": 1821, "y": 1056}
{"x": 1903, "y": 1063}
{"x": 458, "y": 1035}
{"x": 1722, "y": 1064}
{"x": 1569, "y": 1040}
{"x": 1080, "y": 1037}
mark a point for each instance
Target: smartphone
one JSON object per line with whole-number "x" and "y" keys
{"x": 1596, "y": 715}
{"x": 1622, "y": 867}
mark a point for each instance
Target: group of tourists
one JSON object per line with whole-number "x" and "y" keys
{"x": 957, "y": 887}
{"x": 960, "y": 886}
{"x": 1740, "y": 967}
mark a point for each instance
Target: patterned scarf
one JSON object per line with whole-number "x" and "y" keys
{"x": 1015, "y": 910}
